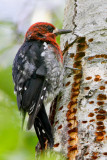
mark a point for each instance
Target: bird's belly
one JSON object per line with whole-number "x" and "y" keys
{"x": 54, "y": 76}
{"x": 55, "y": 81}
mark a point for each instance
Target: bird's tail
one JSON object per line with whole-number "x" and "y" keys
{"x": 43, "y": 128}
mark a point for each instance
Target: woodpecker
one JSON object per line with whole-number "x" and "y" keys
{"x": 37, "y": 75}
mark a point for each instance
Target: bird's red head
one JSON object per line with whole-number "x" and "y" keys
{"x": 41, "y": 31}
{"x": 46, "y": 32}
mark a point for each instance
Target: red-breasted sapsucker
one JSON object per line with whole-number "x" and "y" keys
{"x": 37, "y": 74}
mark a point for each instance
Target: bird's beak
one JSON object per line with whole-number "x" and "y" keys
{"x": 61, "y": 31}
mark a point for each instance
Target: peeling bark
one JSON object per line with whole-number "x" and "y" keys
{"x": 80, "y": 122}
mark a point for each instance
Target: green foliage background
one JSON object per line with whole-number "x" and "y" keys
{"x": 15, "y": 144}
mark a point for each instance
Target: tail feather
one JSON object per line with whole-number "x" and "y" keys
{"x": 43, "y": 128}
{"x": 40, "y": 134}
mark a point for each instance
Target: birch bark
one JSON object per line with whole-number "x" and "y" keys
{"x": 80, "y": 122}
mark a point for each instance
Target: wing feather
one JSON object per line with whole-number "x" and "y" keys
{"x": 29, "y": 75}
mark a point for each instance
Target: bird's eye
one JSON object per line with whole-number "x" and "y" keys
{"x": 50, "y": 28}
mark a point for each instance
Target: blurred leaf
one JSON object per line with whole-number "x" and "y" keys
{"x": 9, "y": 128}
{"x": 15, "y": 144}
{"x": 6, "y": 82}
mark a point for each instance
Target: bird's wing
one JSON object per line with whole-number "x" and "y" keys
{"x": 29, "y": 73}
{"x": 40, "y": 86}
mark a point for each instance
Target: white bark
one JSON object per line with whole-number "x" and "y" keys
{"x": 80, "y": 123}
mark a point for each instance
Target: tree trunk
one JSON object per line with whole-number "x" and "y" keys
{"x": 80, "y": 122}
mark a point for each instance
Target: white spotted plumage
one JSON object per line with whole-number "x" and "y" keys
{"x": 54, "y": 71}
